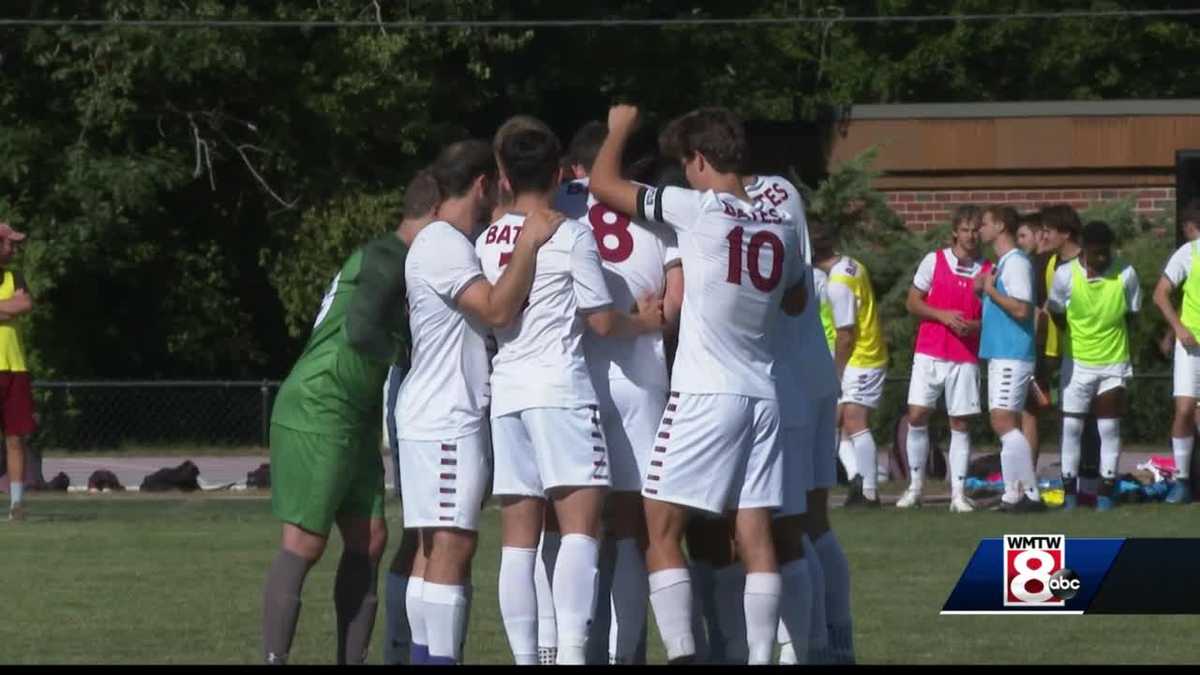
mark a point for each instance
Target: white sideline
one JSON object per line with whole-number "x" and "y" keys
{"x": 204, "y": 487}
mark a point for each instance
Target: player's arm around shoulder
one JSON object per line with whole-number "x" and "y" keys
{"x": 595, "y": 302}
{"x": 21, "y": 301}
{"x": 497, "y": 305}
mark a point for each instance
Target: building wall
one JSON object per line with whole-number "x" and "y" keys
{"x": 925, "y": 209}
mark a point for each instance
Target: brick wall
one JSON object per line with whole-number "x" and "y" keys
{"x": 923, "y": 209}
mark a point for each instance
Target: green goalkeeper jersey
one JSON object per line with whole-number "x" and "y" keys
{"x": 361, "y": 330}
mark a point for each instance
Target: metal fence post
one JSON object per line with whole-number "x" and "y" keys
{"x": 266, "y": 414}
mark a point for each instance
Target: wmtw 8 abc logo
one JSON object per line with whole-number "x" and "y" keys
{"x": 1035, "y": 571}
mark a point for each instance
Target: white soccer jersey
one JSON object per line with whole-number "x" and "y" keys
{"x": 540, "y": 362}
{"x": 445, "y": 393}
{"x": 635, "y": 257}
{"x": 804, "y": 369}
{"x": 738, "y": 260}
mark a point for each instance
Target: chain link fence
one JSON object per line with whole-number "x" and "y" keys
{"x": 110, "y": 415}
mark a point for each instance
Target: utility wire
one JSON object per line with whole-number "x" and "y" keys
{"x": 418, "y": 24}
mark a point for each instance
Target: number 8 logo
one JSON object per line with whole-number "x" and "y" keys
{"x": 1020, "y": 584}
{"x": 607, "y": 223}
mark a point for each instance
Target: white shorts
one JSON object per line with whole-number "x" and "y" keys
{"x": 809, "y": 454}
{"x": 443, "y": 483}
{"x": 630, "y": 415}
{"x": 717, "y": 453}
{"x": 1187, "y": 372}
{"x": 863, "y": 386}
{"x": 539, "y": 449}
{"x": 958, "y": 381}
{"x": 1008, "y": 384}
{"x": 1083, "y": 383}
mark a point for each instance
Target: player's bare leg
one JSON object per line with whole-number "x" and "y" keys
{"x": 752, "y": 532}
{"x": 795, "y": 618}
{"x": 1109, "y": 407}
{"x": 521, "y": 521}
{"x": 630, "y": 590}
{"x": 398, "y": 648}
{"x": 298, "y": 551}
{"x": 354, "y": 589}
{"x": 670, "y": 584}
{"x": 543, "y": 572}
{"x": 1183, "y": 437}
{"x": 575, "y": 572}
{"x": 444, "y": 595}
{"x": 855, "y": 422}
{"x": 712, "y": 548}
{"x": 15, "y": 446}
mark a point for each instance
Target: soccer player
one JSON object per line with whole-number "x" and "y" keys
{"x": 716, "y": 446}
{"x": 445, "y": 451}
{"x": 860, "y": 361}
{"x": 546, "y": 428}
{"x": 807, "y": 384}
{"x": 629, "y": 376}
{"x": 1092, "y": 298}
{"x": 1181, "y": 271}
{"x": 1007, "y": 343}
{"x": 1029, "y": 232}
{"x": 16, "y": 395}
{"x": 325, "y": 460}
{"x": 946, "y": 356}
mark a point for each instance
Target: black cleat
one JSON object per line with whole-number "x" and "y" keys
{"x": 855, "y": 498}
{"x": 1026, "y": 505}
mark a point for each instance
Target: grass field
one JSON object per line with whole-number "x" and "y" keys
{"x": 139, "y": 579}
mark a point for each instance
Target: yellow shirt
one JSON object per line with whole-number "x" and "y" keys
{"x": 870, "y": 351}
{"x": 12, "y": 359}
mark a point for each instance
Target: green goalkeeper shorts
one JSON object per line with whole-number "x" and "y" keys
{"x": 317, "y": 477}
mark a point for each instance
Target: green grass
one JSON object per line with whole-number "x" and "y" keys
{"x": 139, "y": 579}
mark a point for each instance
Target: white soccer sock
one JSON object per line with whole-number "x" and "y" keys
{"x": 399, "y": 636}
{"x": 1110, "y": 446}
{"x": 1182, "y": 449}
{"x": 846, "y": 455}
{"x": 415, "y": 609}
{"x": 16, "y": 492}
{"x": 518, "y": 603}
{"x": 1072, "y": 438}
{"x": 547, "y": 627}
{"x": 818, "y": 637}
{"x": 630, "y": 592}
{"x": 763, "y": 590}
{"x": 1018, "y": 467}
{"x": 960, "y": 457}
{"x": 574, "y": 587}
{"x": 917, "y": 449}
{"x": 837, "y": 597}
{"x": 701, "y": 574}
{"x": 445, "y": 609}
{"x": 671, "y": 598}
{"x": 795, "y": 615}
{"x": 866, "y": 454}
{"x": 731, "y": 616}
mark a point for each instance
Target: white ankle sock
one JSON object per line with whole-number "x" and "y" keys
{"x": 671, "y": 598}
{"x": 763, "y": 590}
{"x": 1182, "y": 449}
{"x": 574, "y": 588}
{"x": 445, "y": 609}
{"x": 518, "y": 602}
{"x": 917, "y": 449}
{"x": 960, "y": 457}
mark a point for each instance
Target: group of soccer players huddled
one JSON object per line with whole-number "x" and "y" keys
{"x": 518, "y": 329}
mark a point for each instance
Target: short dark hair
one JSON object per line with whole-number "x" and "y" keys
{"x": 1098, "y": 233}
{"x": 716, "y": 133}
{"x": 1006, "y": 215}
{"x": 820, "y": 237}
{"x": 1032, "y": 220}
{"x": 1062, "y": 218}
{"x": 667, "y": 172}
{"x": 1189, "y": 216}
{"x": 459, "y": 164}
{"x": 422, "y": 195}
{"x": 966, "y": 212}
{"x": 530, "y": 157}
{"x": 585, "y": 144}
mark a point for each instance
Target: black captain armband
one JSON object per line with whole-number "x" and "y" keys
{"x": 649, "y": 204}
